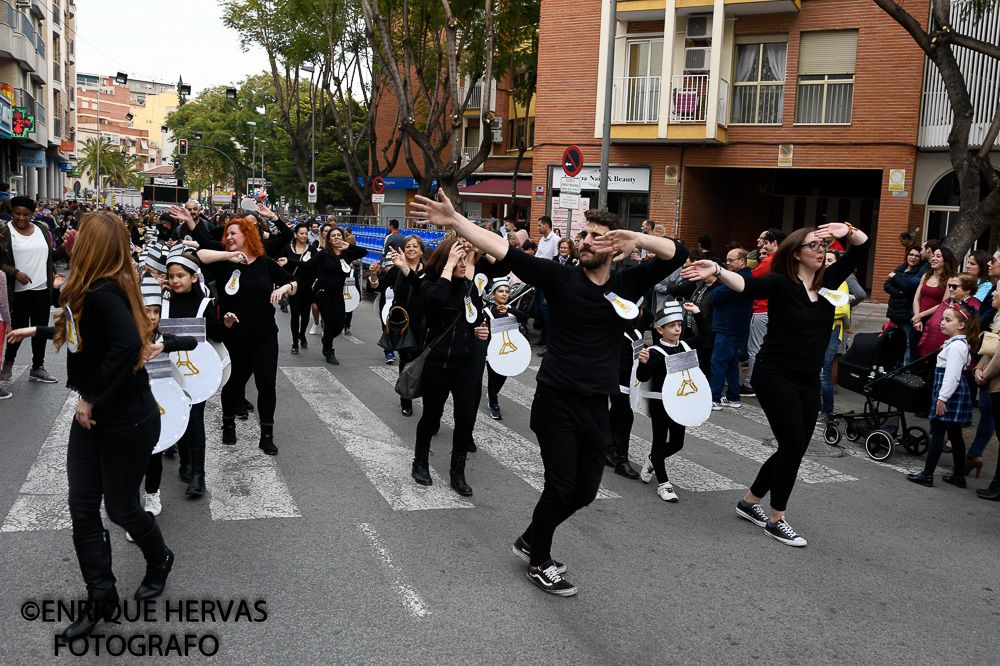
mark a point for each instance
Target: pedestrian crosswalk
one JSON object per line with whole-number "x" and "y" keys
{"x": 245, "y": 485}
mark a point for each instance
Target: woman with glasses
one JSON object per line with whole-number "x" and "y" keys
{"x": 786, "y": 374}
{"x": 900, "y": 307}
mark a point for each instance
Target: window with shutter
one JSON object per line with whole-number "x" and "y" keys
{"x": 827, "y": 60}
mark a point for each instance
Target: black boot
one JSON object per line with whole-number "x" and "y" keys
{"x": 196, "y": 488}
{"x": 184, "y": 471}
{"x": 94, "y": 554}
{"x": 993, "y": 492}
{"x": 421, "y": 471}
{"x": 228, "y": 429}
{"x": 458, "y": 475}
{"x": 267, "y": 439}
{"x": 610, "y": 458}
{"x": 623, "y": 468}
{"x": 331, "y": 357}
{"x": 159, "y": 562}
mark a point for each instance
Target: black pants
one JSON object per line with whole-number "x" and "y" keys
{"x": 954, "y": 431}
{"x": 259, "y": 359}
{"x": 791, "y": 408}
{"x": 668, "y": 439}
{"x": 192, "y": 443}
{"x": 435, "y": 384}
{"x": 494, "y": 384}
{"x": 331, "y": 307}
{"x": 109, "y": 461}
{"x": 573, "y": 435}
{"x": 481, "y": 347}
{"x": 300, "y": 305}
{"x": 29, "y": 308}
{"x": 995, "y": 404}
{"x": 154, "y": 473}
{"x": 621, "y": 418}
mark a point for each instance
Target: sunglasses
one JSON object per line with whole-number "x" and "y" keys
{"x": 954, "y": 286}
{"x": 817, "y": 246}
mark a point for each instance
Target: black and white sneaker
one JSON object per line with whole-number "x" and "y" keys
{"x": 752, "y": 512}
{"x": 523, "y": 551}
{"x": 547, "y": 578}
{"x": 784, "y": 533}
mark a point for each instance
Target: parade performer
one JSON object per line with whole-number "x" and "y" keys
{"x": 294, "y": 258}
{"x": 498, "y": 310}
{"x": 331, "y": 267}
{"x": 589, "y": 309}
{"x": 625, "y": 402}
{"x": 454, "y": 320}
{"x": 951, "y": 401}
{"x": 117, "y": 423}
{"x": 187, "y": 300}
{"x": 801, "y": 305}
{"x": 247, "y": 280}
{"x": 668, "y": 434}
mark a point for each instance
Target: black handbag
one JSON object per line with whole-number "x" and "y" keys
{"x": 397, "y": 334}
{"x": 408, "y": 384}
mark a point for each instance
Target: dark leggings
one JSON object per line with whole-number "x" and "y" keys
{"x": 154, "y": 473}
{"x": 435, "y": 384}
{"x": 193, "y": 440}
{"x": 573, "y": 436}
{"x": 668, "y": 439}
{"x": 480, "y": 347}
{"x": 331, "y": 307}
{"x": 494, "y": 384}
{"x": 259, "y": 359}
{"x": 621, "y": 419}
{"x": 109, "y": 461}
{"x": 300, "y": 305}
{"x": 791, "y": 408}
{"x": 954, "y": 431}
{"x": 995, "y": 404}
{"x": 29, "y": 308}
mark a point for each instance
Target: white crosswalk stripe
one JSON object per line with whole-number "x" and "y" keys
{"x": 242, "y": 482}
{"x": 353, "y": 339}
{"x": 683, "y": 473}
{"x": 41, "y": 503}
{"x": 380, "y": 453}
{"x": 509, "y": 448}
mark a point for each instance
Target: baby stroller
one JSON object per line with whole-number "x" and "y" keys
{"x": 873, "y": 367}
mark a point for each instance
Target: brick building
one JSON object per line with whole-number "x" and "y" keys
{"x": 712, "y": 90}
{"x": 486, "y": 194}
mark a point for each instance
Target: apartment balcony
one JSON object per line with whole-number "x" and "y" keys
{"x": 636, "y": 108}
{"x": 476, "y": 98}
{"x": 41, "y": 73}
{"x": 71, "y": 8}
{"x": 71, "y": 55}
{"x": 651, "y": 10}
{"x": 37, "y": 9}
{"x": 636, "y": 100}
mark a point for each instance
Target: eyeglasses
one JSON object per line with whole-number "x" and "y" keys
{"x": 954, "y": 286}
{"x": 994, "y": 260}
{"x": 817, "y": 246}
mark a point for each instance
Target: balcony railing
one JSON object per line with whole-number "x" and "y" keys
{"x": 476, "y": 98}
{"x": 8, "y": 16}
{"x": 58, "y": 128}
{"x": 55, "y": 13}
{"x": 689, "y": 98}
{"x": 40, "y": 45}
{"x": 723, "y": 102}
{"x": 27, "y": 101}
{"x": 636, "y": 99}
{"x": 27, "y": 29}
{"x": 39, "y": 113}
{"x": 57, "y": 71}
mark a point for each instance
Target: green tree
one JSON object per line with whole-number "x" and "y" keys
{"x": 972, "y": 164}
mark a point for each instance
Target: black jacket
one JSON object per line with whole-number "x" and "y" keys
{"x": 443, "y": 300}
{"x": 900, "y": 307}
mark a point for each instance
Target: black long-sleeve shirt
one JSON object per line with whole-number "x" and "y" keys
{"x": 326, "y": 268}
{"x": 798, "y": 329}
{"x": 296, "y": 262}
{"x": 654, "y": 370}
{"x": 252, "y": 302}
{"x": 584, "y": 329}
{"x": 101, "y": 370}
{"x": 444, "y": 299}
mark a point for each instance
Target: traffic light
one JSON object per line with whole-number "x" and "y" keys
{"x": 182, "y": 147}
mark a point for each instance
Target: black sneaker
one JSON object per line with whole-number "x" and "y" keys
{"x": 523, "y": 551}
{"x": 784, "y": 533}
{"x": 547, "y": 578}
{"x": 747, "y": 392}
{"x": 751, "y": 512}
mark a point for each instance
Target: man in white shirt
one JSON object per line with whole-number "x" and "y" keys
{"x": 27, "y": 261}
{"x": 548, "y": 243}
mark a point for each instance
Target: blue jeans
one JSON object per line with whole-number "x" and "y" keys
{"x": 986, "y": 425}
{"x": 907, "y": 328}
{"x": 726, "y": 367}
{"x": 543, "y": 310}
{"x": 825, "y": 380}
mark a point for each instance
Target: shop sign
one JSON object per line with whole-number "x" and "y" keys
{"x": 6, "y": 116}
{"x": 620, "y": 179}
{"x": 21, "y": 123}
{"x": 897, "y": 180}
{"x": 32, "y": 158}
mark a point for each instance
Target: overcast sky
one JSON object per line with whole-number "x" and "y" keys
{"x": 161, "y": 39}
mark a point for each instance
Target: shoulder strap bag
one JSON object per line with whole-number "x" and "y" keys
{"x": 408, "y": 384}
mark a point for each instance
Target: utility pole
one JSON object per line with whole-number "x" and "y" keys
{"x": 609, "y": 81}
{"x": 312, "y": 132}
{"x": 253, "y": 159}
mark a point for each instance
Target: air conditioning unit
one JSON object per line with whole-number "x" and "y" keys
{"x": 497, "y": 136}
{"x": 496, "y": 123}
{"x": 699, "y": 27}
{"x": 24, "y": 4}
{"x": 697, "y": 59}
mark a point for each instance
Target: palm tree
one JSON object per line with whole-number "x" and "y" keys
{"x": 89, "y": 158}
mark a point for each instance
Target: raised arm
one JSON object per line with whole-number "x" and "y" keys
{"x": 444, "y": 214}
{"x": 700, "y": 270}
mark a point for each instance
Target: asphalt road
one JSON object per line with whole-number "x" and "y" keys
{"x": 357, "y": 565}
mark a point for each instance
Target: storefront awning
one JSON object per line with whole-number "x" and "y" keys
{"x": 497, "y": 188}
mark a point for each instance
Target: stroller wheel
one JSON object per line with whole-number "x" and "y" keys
{"x": 831, "y": 434}
{"x": 879, "y": 445}
{"x": 915, "y": 440}
{"x": 852, "y": 431}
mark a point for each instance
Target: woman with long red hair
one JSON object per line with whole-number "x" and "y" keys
{"x": 117, "y": 423}
{"x": 249, "y": 283}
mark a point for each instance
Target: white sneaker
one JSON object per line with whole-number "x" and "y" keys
{"x": 726, "y": 402}
{"x": 313, "y": 330}
{"x": 151, "y": 503}
{"x": 666, "y": 492}
{"x": 646, "y": 473}
{"x": 716, "y": 407}
{"x": 128, "y": 537}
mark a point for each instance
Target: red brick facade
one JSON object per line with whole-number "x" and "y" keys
{"x": 724, "y": 192}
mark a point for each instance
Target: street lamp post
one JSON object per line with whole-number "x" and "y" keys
{"x": 262, "y": 142}
{"x": 253, "y": 159}
{"x": 312, "y": 132}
